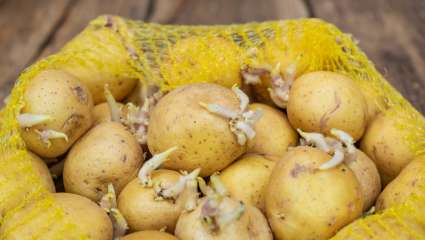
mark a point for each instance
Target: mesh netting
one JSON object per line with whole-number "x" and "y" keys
{"x": 169, "y": 56}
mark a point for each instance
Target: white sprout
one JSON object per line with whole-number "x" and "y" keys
{"x": 113, "y": 106}
{"x": 174, "y": 191}
{"x": 152, "y": 164}
{"x": 345, "y": 138}
{"x": 205, "y": 189}
{"x": 46, "y": 135}
{"x": 218, "y": 185}
{"x": 241, "y": 122}
{"x": 251, "y": 78}
{"x": 224, "y": 218}
{"x": 337, "y": 158}
{"x": 119, "y": 223}
{"x": 279, "y": 92}
{"x": 317, "y": 139}
{"x": 27, "y": 120}
{"x": 193, "y": 195}
{"x": 109, "y": 200}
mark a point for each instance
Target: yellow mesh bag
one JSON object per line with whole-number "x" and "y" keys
{"x": 169, "y": 56}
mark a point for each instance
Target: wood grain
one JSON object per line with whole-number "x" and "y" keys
{"x": 25, "y": 27}
{"x": 391, "y": 32}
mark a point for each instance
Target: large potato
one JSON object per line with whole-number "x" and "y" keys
{"x": 67, "y": 103}
{"x": 247, "y": 178}
{"x": 189, "y": 59}
{"x": 204, "y": 139}
{"x": 368, "y": 176}
{"x": 385, "y": 143}
{"x": 89, "y": 219}
{"x": 251, "y": 224}
{"x": 108, "y": 153}
{"x": 301, "y": 195}
{"x": 408, "y": 182}
{"x": 141, "y": 208}
{"x": 320, "y": 101}
{"x": 149, "y": 235}
{"x": 274, "y": 134}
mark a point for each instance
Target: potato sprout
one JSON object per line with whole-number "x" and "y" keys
{"x": 152, "y": 164}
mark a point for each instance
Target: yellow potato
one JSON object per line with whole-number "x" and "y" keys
{"x": 189, "y": 58}
{"x": 67, "y": 103}
{"x": 140, "y": 208}
{"x": 408, "y": 182}
{"x": 204, "y": 139}
{"x": 320, "y": 101}
{"x": 384, "y": 142}
{"x": 108, "y": 153}
{"x": 247, "y": 178}
{"x": 149, "y": 235}
{"x": 41, "y": 168}
{"x": 300, "y": 195}
{"x": 251, "y": 224}
{"x": 368, "y": 176}
{"x": 89, "y": 219}
{"x": 274, "y": 134}
{"x": 102, "y": 113}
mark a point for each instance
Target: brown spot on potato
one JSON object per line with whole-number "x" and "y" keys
{"x": 80, "y": 94}
{"x": 297, "y": 170}
{"x": 72, "y": 124}
{"x": 325, "y": 118}
{"x": 124, "y": 158}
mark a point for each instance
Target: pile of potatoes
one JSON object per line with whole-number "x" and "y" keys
{"x": 299, "y": 159}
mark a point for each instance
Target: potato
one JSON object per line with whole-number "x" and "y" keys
{"x": 149, "y": 235}
{"x": 320, "y": 101}
{"x": 408, "y": 182}
{"x": 384, "y": 142}
{"x": 57, "y": 111}
{"x": 249, "y": 224}
{"x": 108, "y": 153}
{"x": 300, "y": 195}
{"x": 247, "y": 178}
{"x": 189, "y": 58}
{"x": 204, "y": 139}
{"x": 274, "y": 134}
{"x": 142, "y": 210}
{"x": 368, "y": 177}
{"x": 88, "y": 219}
{"x": 41, "y": 168}
{"x": 102, "y": 113}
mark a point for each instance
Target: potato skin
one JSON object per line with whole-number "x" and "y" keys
{"x": 89, "y": 219}
{"x": 251, "y": 225}
{"x": 108, "y": 153}
{"x": 368, "y": 177}
{"x": 247, "y": 179}
{"x": 41, "y": 168}
{"x": 300, "y": 195}
{"x": 385, "y": 144}
{"x": 101, "y": 113}
{"x": 142, "y": 211}
{"x": 408, "y": 182}
{"x": 203, "y": 139}
{"x": 149, "y": 235}
{"x": 67, "y": 101}
{"x": 320, "y": 101}
{"x": 274, "y": 134}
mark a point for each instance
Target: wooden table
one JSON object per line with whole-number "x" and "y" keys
{"x": 392, "y": 32}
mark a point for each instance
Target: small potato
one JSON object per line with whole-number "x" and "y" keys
{"x": 102, "y": 113}
{"x": 108, "y": 153}
{"x": 247, "y": 178}
{"x": 204, "y": 139}
{"x": 320, "y": 101}
{"x": 87, "y": 218}
{"x": 368, "y": 176}
{"x": 300, "y": 195}
{"x": 408, "y": 182}
{"x": 250, "y": 224}
{"x": 142, "y": 210}
{"x": 54, "y": 101}
{"x": 201, "y": 59}
{"x": 385, "y": 144}
{"x": 41, "y": 168}
{"x": 149, "y": 235}
{"x": 274, "y": 134}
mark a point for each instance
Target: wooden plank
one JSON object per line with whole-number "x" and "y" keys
{"x": 25, "y": 26}
{"x": 84, "y": 11}
{"x": 236, "y": 11}
{"x": 391, "y": 34}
